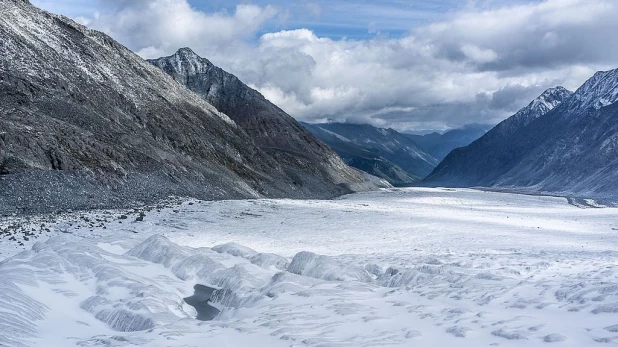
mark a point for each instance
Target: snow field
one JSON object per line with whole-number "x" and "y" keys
{"x": 409, "y": 267}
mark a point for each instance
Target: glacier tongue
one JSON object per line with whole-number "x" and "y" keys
{"x": 447, "y": 267}
{"x": 141, "y": 292}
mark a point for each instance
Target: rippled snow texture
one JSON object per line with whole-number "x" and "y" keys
{"x": 410, "y": 267}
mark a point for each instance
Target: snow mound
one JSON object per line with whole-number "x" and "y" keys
{"x": 236, "y": 285}
{"x": 160, "y": 250}
{"x": 323, "y": 267}
{"x": 511, "y": 334}
{"x": 268, "y": 260}
{"x": 236, "y": 250}
{"x": 124, "y": 321}
{"x": 287, "y": 282}
{"x": 554, "y": 338}
{"x": 19, "y": 312}
{"x": 265, "y": 260}
{"x": 196, "y": 267}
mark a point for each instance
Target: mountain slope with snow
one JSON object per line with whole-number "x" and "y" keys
{"x": 310, "y": 163}
{"x": 485, "y": 159}
{"x": 563, "y": 143}
{"x": 577, "y": 144}
{"x": 385, "y": 153}
{"x": 81, "y": 117}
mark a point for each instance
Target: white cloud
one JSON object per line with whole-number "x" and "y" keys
{"x": 479, "y": 55}
{"x": 474, "y": 66}
{"x": 161, "y": 26}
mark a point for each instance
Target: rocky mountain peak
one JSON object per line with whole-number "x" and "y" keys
{"x": 187, "y": 54}
{"x": 599, "y": 91}
{"x": 186, "y": 51}
{"x": 570, "y": 150}
{"x": 272, "y": 130}
{"x": 549, "y": 99}
{"x": 85, "y": 126}
{"x": 541, "y": 105}
{"x": 184, "y": 62}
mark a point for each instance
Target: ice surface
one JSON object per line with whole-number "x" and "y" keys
{"x": 409, "y": 267}
{"x": 322, "y": 267}
{"x": 235, "y": 250}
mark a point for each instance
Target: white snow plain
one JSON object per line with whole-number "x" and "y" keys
{"x": 409, "y": 267}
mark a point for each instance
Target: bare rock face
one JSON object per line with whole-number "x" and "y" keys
{"x": 86, "y": 123}
{"x": 273, "y": 131}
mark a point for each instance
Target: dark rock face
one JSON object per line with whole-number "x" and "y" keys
{"x": 298, "y": 152}
{"x": 85, "y": 123}
{"x": 384, "y": 153}
{"x": 564, "y": 143}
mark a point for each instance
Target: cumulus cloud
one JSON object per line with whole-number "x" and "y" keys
{"x": 545, "y": 34}
{"x": 475, "y": 65}
{"x": 156, "y": 27}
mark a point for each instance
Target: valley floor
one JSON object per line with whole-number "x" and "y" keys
{"x": 409, "y": 267}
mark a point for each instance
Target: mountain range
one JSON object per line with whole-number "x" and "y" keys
{"x": 86, "y": 123}
{"x": 400, "y": 158}
{"x": 384, "y": 153}
{"x": 562, "y": 143}
{"x": 440, "y": 144}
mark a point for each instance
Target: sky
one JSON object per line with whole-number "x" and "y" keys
{"x": 409, "y": 65}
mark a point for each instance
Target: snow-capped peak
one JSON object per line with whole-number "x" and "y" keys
{"x": 550, "y": 98}
{"x": 186, "y": 50}
{"x": 544, "y": 103}
{"x": 187, "y": 53}
{"x": 599, "y": 91}
{"x": 186, "y": 62}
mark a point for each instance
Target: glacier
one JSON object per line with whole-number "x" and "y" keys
{"x": 396, "y": 267}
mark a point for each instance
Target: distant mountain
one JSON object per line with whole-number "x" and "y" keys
{"x": 492, "y": 155}
{"x": 84, "y": 123}
{"x": 384, "y": 153}
{"x": 439, "y": 145}
{"x": 564, "y": 143}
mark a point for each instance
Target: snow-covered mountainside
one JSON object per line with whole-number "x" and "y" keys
{"x": 446, "y": 267}
{"x": 384, "y": 153}
{"x": 299, "y": 154}
{"x": 564, "y": 143}
{"x": 439, "y": 145}
{"x": 599, "y": 91}
{"x": 81, "y": 116}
